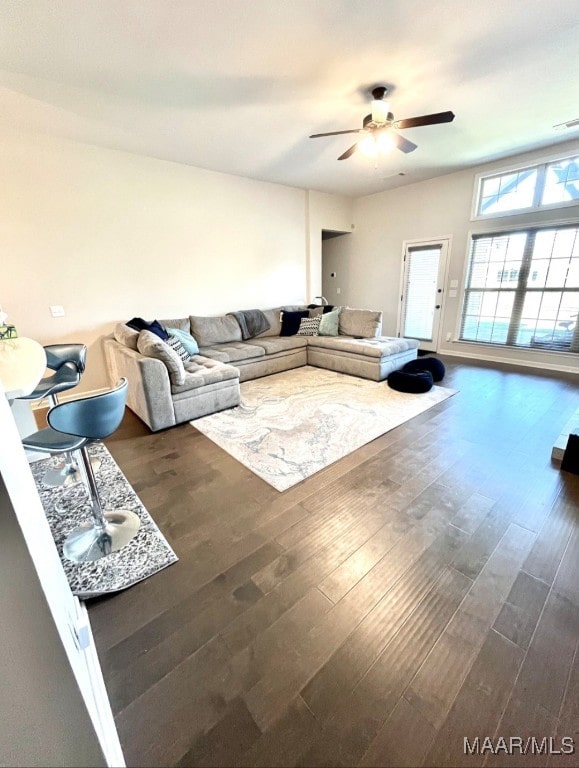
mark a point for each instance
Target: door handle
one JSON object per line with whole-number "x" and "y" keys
{"x": 438, "y": 306}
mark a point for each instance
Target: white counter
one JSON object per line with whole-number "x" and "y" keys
{"x": 22, "y": 363}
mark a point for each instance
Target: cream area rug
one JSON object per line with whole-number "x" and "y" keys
{"x": 292, "y": 424}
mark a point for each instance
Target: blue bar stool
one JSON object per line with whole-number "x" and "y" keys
{"x": 68, "y": 362}
{"x": 72, "y": 427}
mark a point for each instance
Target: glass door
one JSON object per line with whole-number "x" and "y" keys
{"x": 422, "y": 291}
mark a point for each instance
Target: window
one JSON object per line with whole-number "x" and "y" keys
{"x": 523, "y": 289}
{"x": 552, "y": 184}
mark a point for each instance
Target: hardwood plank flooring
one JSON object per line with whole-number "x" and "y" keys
{"x": 421, "y": 590}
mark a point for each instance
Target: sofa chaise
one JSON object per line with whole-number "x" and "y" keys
{"x": 163, "y": 391}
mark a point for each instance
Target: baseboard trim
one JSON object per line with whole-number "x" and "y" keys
{"x": 512, "y": 361}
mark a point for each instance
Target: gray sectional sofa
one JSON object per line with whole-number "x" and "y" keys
{"x": 163, "y": 391}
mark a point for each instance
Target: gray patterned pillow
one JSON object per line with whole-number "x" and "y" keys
{"x": 177, "y": 346}
{"x": 309, "y": 326}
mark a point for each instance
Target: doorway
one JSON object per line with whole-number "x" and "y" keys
{"x": 424, "y": 274}
{"x": 335, "y": 265}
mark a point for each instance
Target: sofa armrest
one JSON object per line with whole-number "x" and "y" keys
{"x": 149, "y": 390}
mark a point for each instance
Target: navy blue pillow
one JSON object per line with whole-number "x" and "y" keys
{"x": 138, "y": 324}
{"x": 290, "y": 322}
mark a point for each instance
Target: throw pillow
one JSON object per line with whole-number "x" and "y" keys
{"x": 329, "y": 323}
{"x": 150, "y": 345}
{"x": 362, "y": 323}
{"x": 186, "y": 340}
{"x": 178, "y": 347}
{"x": 138, "y": 324}
{"x": 290, "y": 322}
{"x": 319, "y": 309}
{"x": 309, "y": 326}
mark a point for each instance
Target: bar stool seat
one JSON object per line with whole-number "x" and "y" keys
{"x": 68, "y": 361}
{"x": 72, "y": 427}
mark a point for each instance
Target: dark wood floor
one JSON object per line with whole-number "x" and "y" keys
{"x": 421, "y": 590}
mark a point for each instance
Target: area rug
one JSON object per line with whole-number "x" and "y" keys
{"x": 293, "y": 424}
{"x": 148, "y": 553}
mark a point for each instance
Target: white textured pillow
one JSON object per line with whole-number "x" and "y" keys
{"x": 309, "y": 326}
{"x": 150, "y": 345}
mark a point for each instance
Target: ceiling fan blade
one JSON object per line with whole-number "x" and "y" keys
{"x": 415, "y": 122}
{"x": 403, "y": 144}
{"x": 335, "y": 133}
{"x": 349, "y": 152}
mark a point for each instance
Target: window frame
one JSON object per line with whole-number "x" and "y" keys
{"x": 506, "y": 229}
{"x": 541, "y": 167}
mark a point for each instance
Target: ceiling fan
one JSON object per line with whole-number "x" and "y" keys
{"x": 378, "y": 126}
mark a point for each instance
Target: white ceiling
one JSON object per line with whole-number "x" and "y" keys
{"x": 238, "y": 85}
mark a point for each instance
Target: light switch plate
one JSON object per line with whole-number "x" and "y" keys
{"x": 57, "y": 310}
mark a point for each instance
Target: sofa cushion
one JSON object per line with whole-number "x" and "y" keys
{"x": 382, "y": 346}
{"x": 233, "y": 351}
{"x": 281, "y": 343}
{"x": 329, "y": 323}
{"x": 201, "y": 371}
{"x": 150, "y": 345}
{"x": 364, "y": 323}
{"x": 179, "y": 323}
{"x": 273, "y": 317}
{"x": 290, "y": 321}
{"x": 126, "y": 336}
{"x": 214, "y": 330}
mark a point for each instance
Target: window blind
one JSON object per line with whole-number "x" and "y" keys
{"x": 523, "y": 289}
{"x": 420, "y": 291}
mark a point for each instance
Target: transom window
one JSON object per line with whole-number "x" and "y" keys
{"x": 552, "y": 184}
{"x": 523, "y": 289}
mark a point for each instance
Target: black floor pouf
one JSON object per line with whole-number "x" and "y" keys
{"x": 431, "y": 364}
{"x": 406, "y": 381}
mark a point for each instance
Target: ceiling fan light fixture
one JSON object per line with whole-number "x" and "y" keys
{"x": 384, "y": 141}
{"x": 376, "y": 143}
{"x": 380, "y": 111}
{"x": 368, "y": 146}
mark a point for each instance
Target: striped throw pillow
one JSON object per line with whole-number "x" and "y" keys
{"x": 178, "y": 347}
{"x": 309, "y": 326}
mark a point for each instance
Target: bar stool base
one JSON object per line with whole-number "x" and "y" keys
{"x": 66, "y": 475}
{"x": 87, "y": 543}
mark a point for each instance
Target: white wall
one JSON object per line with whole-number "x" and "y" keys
{"x": 332, "y": 212}
{"x": 43, "y": 716}
{"x": 369, "y": 261}
{"x": 110, "y": 235}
